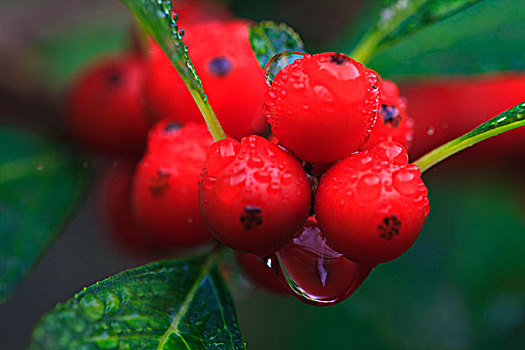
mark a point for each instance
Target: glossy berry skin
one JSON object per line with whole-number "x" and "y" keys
{"x": 115, "y": 208}
{"x": 231, "y": 75}
{"x": 372, "y": 205}
{"x": 254, "y": 196}
{"x": 165, "y": 186}
{"x": 259, "y": 273}
{"x": 393, "y": 122}
{"x": 322, "y": 107}
{"x": 318, "y": 274}
{"x": 106, "y": 108}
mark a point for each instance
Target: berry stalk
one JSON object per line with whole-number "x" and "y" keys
{"x": 368, "y": 46}
{"x": 157, "y": 19}
{"x": 508, "y": 120}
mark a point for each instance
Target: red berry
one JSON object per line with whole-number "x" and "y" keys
{"x": 322, "y": 107}
{"x": 445, "y": 108}
{"x": 190, "y": 12}
{"x": 115, "y": 205}
{"x": 166, "y": 182}
{"x": 259, "y": 273}
{"x": 315, "y": 271}
{"x": 372, "y": 205}
{"x": 105, "y": 107}
{"x": 393, "y": 123}
{"x": 254, "y": 196}
{"x": 232, "y": 79}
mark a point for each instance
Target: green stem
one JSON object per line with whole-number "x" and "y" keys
{"x": 508, "y": 120}
{"x": 371, "y": 41}
{"x": 156, "y": 18}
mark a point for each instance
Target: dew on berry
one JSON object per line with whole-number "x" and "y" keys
{"x": 430, "y": 131}
{"x": 404, "y": 182}
{"x": 274, "y": 189}
{"x": 315, "y": 272}
{"x": 278, "y": 62}
{"x": 286, "y": 178}
{"x": 369, "y": 187}
{"x": 262, "y": 176}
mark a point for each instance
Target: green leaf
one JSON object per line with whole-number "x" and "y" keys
{"x": 399, "y": 18}
{"x": 171, "y": 304}
{"x": 508, "y": 120}
{"x": 485, "y": 38}
{"x": 269, "y": 38}
{"x": 156, "y": 18}
{"x": 41, "y": 185}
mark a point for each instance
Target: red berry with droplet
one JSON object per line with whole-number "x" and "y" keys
{"x": 372, "y": 205}
{"x": 259, "y": 273}
{"x": 254, "y": 196}
{"x": 322, "y": 107}
{"x": 105, "y": 107}
{"x": 393, "y": 122}
{"x": 317, "y": 273}
{"x": 166, "y": 183}
{"x": 231, "y": 75}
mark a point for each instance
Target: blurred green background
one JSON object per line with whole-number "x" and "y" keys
{"x": 462, "y": 285}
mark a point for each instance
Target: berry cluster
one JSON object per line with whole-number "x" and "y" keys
{"x": 311, "y": 209}
{"x": 335, "y": 125}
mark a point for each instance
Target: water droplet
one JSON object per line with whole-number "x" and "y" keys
{"x": 274, "y": 189}
{"x": 40, "y": 166}
{"x": 323, "y": 94}
{"x": 230, "y": 187}
{"x": 315, "y": 272}
{"x": 92, "y": 307}
{"x": 190, "y": 220}
{"x": 255, "y": 162}
{"x": 112, "y": 303}
{"x": 405, "y": 182}
{"x": 369, "y": 187}
{"x": 262, "y": 176}
{"x": 286, "y": 178}
{"x": 278, "y": 62}
{"x": 430, "y": 131}
{"x": 105, "y": 341}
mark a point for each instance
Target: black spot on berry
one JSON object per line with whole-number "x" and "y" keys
{"x": 339, "y": 58}
{"x": 171, "y": 127}
{"x": 220, "y": 66}
{"x": 159, "y": 184}
{"x": 389, "y": 227}
{"x": 115, "y": 77}
{"x": 251, "y": 217}
{"x": 390, "y": 115}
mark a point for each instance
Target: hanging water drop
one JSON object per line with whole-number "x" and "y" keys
{"x": 278, "y": 62}
{"x": 315, "y": 272}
